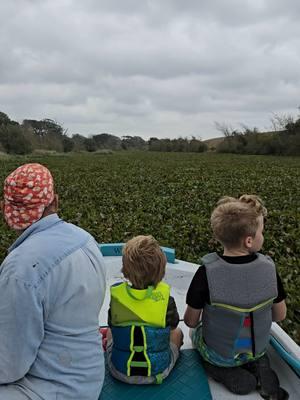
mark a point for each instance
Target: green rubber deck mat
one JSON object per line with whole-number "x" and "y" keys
{"x": 187, "y": 381}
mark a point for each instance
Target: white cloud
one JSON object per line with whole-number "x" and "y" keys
{"x": 149, "y": 68}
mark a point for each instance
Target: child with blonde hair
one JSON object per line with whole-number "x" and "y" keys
{"x": 236, "y": 295}
{"x": 143, "y": 341}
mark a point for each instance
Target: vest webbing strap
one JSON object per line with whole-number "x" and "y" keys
{"x": 145, "y": 350}
{"x": 139, "y": 364}
{"x": 139, "y": 349}
{"x": 159, "y": 379}
{"x": 131, "y": 350}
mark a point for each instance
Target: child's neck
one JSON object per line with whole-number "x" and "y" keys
{"x": 235, "y": 252}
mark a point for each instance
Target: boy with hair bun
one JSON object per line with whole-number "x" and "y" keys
{"x": 236, "y": 295}
{"x": 144, "y": 341}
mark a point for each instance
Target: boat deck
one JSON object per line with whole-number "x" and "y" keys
{"x": 179, "y": 276}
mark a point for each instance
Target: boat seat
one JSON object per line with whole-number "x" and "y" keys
{"x": 187, "y": 381}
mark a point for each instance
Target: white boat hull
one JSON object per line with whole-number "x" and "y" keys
{"x": 179, "y": 276}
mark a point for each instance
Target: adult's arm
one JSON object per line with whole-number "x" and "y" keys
{"x": 21, "y": 328}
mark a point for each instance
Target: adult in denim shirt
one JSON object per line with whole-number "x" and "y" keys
{"x": 52, "y": 286}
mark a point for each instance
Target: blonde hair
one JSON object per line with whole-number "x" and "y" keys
{"x": 144, "y": 263}
{"x": 235, "y": 219}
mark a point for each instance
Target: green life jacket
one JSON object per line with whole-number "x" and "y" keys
{"x": 237, "y": 322}
{"x": 141, "y": 340}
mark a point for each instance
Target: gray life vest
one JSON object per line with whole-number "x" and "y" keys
{"x": 239, "y": 318}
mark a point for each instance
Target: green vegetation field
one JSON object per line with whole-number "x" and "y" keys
{"x": 171, "y": 195}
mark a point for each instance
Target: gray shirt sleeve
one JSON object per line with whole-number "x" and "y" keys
{"x": 21, "y": 328}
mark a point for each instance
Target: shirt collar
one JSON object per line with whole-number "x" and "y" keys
{"x": 40, "y": 225}
{"x": 247, "y": 258}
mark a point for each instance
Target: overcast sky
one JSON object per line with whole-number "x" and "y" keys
{"x": 163, "y": 68}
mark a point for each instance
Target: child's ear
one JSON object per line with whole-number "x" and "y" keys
{"x": 248, "y": 242}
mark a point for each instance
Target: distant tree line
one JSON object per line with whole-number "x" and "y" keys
{"x": 283, "y": 140}
{"x": 32, "y": 135}
{"x": 23, "y": 138}
{"x": 179, "y": 145}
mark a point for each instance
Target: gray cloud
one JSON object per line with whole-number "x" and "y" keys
{"x": 147, "y": 67}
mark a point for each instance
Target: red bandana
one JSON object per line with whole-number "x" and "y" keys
{"x": 27, "y": 192}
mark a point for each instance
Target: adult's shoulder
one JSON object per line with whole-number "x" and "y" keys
{"x": 44, "y": 248}
{"x": 16, "y": 266}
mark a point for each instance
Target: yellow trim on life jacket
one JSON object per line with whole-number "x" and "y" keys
{"x": 129, "y": 361}
{"x": 243, "y": 310}
{"x": 145, "y": 350}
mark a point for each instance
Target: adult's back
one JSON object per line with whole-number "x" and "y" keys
{"x": 52, "y": 285}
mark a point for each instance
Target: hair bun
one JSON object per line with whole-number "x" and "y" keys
{"x": 255, "y": 202}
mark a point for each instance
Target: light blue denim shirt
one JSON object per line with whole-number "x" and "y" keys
{"x": 52, "y": 286}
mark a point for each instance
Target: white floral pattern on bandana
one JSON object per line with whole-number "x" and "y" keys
{"x": 27, "y": 192}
